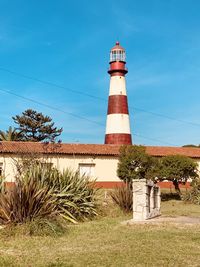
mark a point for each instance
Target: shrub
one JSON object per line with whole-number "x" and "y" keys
{"x": 42, "y": 193}
{"x": 80, "y": 191}
{"x": 45, "y": 227}
{"x": 193, "y": 195}
{"x": 123, "y": 197}
{"x": 75, "y": 194}
{"x": 28, "y": 199}
{"x": 37, "y": 227}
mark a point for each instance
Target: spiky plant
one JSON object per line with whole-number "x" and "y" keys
{"x": 80, "y": 191}
{"x": 123, "y": 197}
{"x": 75, "y": 195}
{"x": 10, "y": 135}
{"x": 27, "y": 200}
{"x": 193, "y": 195}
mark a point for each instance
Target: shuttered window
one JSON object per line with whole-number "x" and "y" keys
{"x": 87, "y": 169}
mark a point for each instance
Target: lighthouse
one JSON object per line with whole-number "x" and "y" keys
{"x": 118, "y": 123}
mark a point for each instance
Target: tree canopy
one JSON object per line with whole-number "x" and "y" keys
{"x": 135, "y": 163}
{"x": 36, "y": 127}
{"x": 178, "y": 167}
{"x": 191, "y": 145}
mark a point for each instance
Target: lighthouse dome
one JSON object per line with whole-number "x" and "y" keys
{"x": 117, "y": 53}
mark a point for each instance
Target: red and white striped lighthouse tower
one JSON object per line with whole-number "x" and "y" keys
{"x": 118, "y": 124}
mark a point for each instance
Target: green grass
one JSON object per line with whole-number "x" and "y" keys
{"x": 106, "y": 242}
{"x": 179, "y": 208}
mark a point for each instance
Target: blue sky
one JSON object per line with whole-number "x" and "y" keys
{"x": 68, "y": 42}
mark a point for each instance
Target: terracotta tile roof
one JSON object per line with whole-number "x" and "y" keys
{"x": 90, "y": 149}
{"x": 165, "y": 151}
{"x": 70, "y": 149}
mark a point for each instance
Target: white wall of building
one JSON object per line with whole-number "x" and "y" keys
{"x": 103, "y": 168}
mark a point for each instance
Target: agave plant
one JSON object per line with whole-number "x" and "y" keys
{"x": 193, "y": 195}
{"x": 123, "y": 197}
{"x": 26, "y": 201}
{"x": 43, "y": 192}
{"x": 75, "y": 194}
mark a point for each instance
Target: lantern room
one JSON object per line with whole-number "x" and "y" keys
{"x": 117, "y": 61}
{"x": 117, "y": 53}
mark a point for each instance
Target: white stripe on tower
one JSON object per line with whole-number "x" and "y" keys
{"x": 118, "y": 124}
{"x": 117, "y": 85}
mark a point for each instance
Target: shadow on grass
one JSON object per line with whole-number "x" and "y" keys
{"x": 170, "y": 196}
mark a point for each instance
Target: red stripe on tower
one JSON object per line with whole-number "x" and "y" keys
{"x": 118, "y": 124}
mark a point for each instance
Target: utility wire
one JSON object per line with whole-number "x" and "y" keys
{"x": 165, "y": 116}
{"x": 50, "y": 107}
{"x": 153, "y": 139}
{"x": 95, "y": 97}
{"x": 72, "y": 114}
{"x": 49, "y": 83}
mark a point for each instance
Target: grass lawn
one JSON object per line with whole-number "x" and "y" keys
{"x": 106, "y": 242}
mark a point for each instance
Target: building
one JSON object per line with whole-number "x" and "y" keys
{"x": 99, "y": 161}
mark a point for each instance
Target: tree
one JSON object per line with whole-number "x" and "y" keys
{"x": 191, "y": 145}
{"x": 36, "y": 127}
{"x": 178, "y": 167}
{"x": 10, "y": 135}
{"x": 135, "y": 163}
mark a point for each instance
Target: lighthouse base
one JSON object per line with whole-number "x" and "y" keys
{"x": 118, "y": 139}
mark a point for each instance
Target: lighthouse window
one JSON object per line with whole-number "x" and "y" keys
{"x": 117, "y": 55}
{"x": 113, "y": 56}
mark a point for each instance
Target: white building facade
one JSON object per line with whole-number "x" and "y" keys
{"x": 98, "y": 161}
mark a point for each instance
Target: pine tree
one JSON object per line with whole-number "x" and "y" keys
{"x": 36, "y": 127}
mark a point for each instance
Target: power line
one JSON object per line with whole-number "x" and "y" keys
{"x": 95, "y": 97}
{"x": 50, "y": 107}
{"x": 153, "y": 139}
{"x": 165, "y": 116}
{"x": 71, "y": 114}
{"x": 50, "y": 83}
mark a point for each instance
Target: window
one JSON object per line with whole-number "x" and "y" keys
{"x": 86, "y": 169}
{"x": 1, "y": 168}
{"x": 117, "y": 55}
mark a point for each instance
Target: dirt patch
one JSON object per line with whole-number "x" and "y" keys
{"x": 162, "y": 219}
{"x": 178, "y": 219}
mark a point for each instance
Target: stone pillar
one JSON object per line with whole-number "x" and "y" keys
{"x": 146, "y": 200}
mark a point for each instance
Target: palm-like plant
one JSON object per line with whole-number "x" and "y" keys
{"x": 123, "y": 197}
{"x": 26, "y": 201}
{"x": 193, "y": 195}
{"x": 44, "y": 192}
{"x": 75, "y": 195}
{"x": 10, "y": 135}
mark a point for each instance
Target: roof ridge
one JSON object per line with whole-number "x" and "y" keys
{"x": 17, "y": 147}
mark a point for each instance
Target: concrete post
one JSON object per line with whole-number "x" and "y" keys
{"x": 146, "y": 200}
